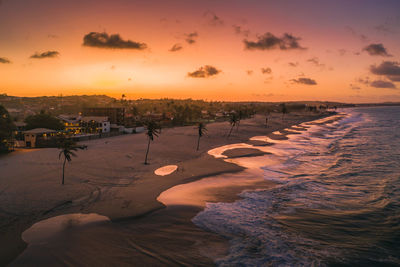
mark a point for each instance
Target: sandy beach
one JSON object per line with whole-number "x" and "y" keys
{"x": 110, "y": 179}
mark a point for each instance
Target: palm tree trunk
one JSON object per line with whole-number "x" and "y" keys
{"x": 231, "y": 130}
{"x": 147, "y": 152}
{"x": 198, "y": 143}
{"x": 65, "y": 160}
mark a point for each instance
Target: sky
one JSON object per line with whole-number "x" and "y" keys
{"x": 233, "y": 50}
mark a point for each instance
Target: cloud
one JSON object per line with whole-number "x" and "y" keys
{"x": 240, "y": 31}
{"x": 249, "y": 72}
{"x": 342, "y": 52}
{"x": 190, "y": 38}
{"x": 269, "y": 41}
{"x": 266, "y": 70}
{"x": 354, "y": 87}
{"x": 47, "y": 54}
{"x": 376, "y": 50}
{"x": 176, "y": 47}
{"x": 364, "y": 80}
{"x": 362, "y": 37}
{"x": 4, "y": 60}
{"x": 315, "y": 61}
{"x": 114, "y": 41}
{"x": 213, "y": 19}
{"x": 52, "y": 36}
{"x": 204, "y": 72}
{"x": 306, "y": 81}
{"x": 293, "y": 64}
{"x": 384, "y": 28}
{"x": 389, "y": 69}
{"x": 383, "y": 84}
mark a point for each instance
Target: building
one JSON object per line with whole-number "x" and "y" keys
{"x": 71, "y": 123}
{"x": 34, "y": 137}
{"x": 115, "y": 115}
{"x": 95, "y": 124}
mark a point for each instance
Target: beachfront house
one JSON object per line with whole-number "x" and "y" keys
{"x": 95, "y": 124}
{"x": 34, "y": 137}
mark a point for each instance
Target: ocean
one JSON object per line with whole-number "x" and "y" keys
{"x": 336, "y": 202}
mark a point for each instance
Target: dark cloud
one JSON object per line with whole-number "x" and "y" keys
{"x": 376, "y": 50}
{"x": 213, "y": 19}
{"x": 47, "y": 54}
{"x": 4, "y": 60}
{"x": 52, "y": 36}
{"x": 389, "y": 69}
{"x": 240, "y": 31}
{"x": 315, "y": 61}
{"x": 103, "y": 40}
{"x": 383, "y": 84}
{"x": 204, "y": 72}
{"x": 266, "y": 70}
{"x": 293, "y": 64}
{"x": 176, "y": 47}
{"x": 190, "y": 38}
{"x": 306, "y": 81}
{"x": 249, "y": 72}
{"x": 269, "y": 41}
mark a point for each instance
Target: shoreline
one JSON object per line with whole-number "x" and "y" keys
{"x": 114, "y": 200}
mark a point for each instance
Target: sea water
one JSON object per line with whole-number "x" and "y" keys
{"x": 336, "y": 202}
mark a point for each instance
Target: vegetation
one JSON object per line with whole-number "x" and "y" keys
{"x": 201, "y": 131}
{"x": 67, "y": 146}
{"x": 284, "y": 110}
{"x": 43, "y": 120}
{"x": 6, "y": 129}
{"x": 153, "y": 130}
{"x": 233, "y": 120}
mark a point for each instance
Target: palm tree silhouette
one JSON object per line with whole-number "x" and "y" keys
{"x": 153, "y": 129}
{"x": 202, "y": 130}
{"x": 233, "y": 120}
{"x": 283, "y": 110}
{"x": 67, "y": 146}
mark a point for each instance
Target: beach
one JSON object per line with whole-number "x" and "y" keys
{"x": 110, "y": 179}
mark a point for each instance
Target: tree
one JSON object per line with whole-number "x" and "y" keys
{"x": 6, "y": 129}
{"x": 67, "y": 146}
{"x": 240, "y": 117}
{"x": 202, "y": 130}
{"x": 43, "y": 120}
{"x": 283, "y": 110}
{"x": 233, "y": 120}
{"x": 153, "y": 129}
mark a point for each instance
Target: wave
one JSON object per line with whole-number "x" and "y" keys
{"x": 328, "y": 204}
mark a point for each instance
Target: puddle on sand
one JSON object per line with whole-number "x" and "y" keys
{"x": 166, "y": 170}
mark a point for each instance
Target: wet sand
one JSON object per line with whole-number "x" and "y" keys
{"x": 110, "y": 179}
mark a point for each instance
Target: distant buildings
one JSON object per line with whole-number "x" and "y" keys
{"x": 85, "y": 124}
{"x": 36, "y": 137}
{"x": 115, "y": 115}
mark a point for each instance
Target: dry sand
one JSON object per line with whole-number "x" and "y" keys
{"x": 110, "y": 179}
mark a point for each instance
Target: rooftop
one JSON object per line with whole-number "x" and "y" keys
{"x": 39, "y": 131}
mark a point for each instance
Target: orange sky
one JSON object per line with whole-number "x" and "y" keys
{"x": 334, "y": 38}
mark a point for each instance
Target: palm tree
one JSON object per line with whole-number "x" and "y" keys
{"x": 67, "y": 146}
{"x": 240, "y": 117}
{"x": 202, "y": 130}
{"x": 233, "y": 120}
{"x": 153, "y": 129}
{"x": 283, "y": 110}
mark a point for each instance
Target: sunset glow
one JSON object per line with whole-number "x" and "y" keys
{"x": 309, "y": 50}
